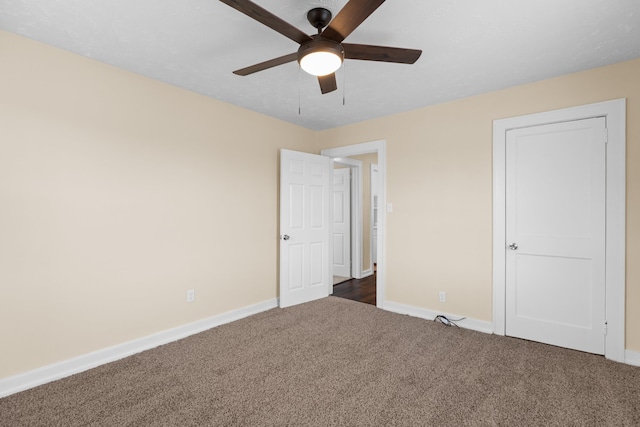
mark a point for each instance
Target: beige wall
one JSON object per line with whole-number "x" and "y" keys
{"x": 119, "y": 193}
{"x": 439, "y": 179}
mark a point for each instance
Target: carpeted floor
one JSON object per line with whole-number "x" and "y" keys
{"x": 336, "y": 362}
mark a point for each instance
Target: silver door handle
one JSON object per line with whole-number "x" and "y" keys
{"x": 286, "y": 237}
{"x": 513, "y": 246}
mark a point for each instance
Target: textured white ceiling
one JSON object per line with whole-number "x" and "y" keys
{"x": 469, "y": 47}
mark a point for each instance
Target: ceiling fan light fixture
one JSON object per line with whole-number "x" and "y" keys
{"x": 320, "y": 63}
{"x": 320, "y": 57}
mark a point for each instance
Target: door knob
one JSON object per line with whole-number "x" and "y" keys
{"x": 286, "y": 237}
{"x": 513, "y": 246}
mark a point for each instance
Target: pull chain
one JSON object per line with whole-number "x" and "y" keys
{"x": 299, "y": 90}
{"x": 344, "y": 83}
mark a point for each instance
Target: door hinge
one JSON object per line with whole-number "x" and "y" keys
{"x": 605, "y": 328}
{"x": 606, "y": 135}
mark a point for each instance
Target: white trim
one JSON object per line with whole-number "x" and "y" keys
{"x": 88, "y": 361}
{"x": 356, "y": 215}
{"x": 467, "y": 323}
{"x": 373, "y": 171}
{"x": 632, "y": 358}
{"x": 379, "y": 147}
{"x": 366, "y": 273}
{"x": 615, "y": 113}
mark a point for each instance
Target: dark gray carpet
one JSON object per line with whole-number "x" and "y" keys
{"x": 341, "y": 363}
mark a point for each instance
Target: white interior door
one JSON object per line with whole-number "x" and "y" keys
{"x": 555, "y": 232}
{"x": 342, "y": 222}
{"x": 305, "y": 271}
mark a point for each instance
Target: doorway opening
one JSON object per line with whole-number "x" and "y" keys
{"x": 361, "y": 290}
{"x": 365, "y": 281}
{"x": 360, "y": 202}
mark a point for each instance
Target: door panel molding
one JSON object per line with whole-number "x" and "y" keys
{"x": 615, "y": 114}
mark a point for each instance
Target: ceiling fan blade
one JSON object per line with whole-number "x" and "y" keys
{"x": 348, "y": 19}
{"x": 328, "y": 83}
{"x": 267, "y": 18}
{"x": 381, "y": 53}
{"x": 267, "y": 64}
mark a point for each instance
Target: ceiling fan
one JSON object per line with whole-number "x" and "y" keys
{"x": 323, "y": 53}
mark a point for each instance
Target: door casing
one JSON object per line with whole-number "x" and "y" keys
{"x": 615, "y": 113}
{"x": 373, "y": 174}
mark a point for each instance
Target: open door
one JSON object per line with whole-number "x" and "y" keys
{"x": 305, "y": 217}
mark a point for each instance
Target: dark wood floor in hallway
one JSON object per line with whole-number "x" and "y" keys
{"x": 362, "y": 290}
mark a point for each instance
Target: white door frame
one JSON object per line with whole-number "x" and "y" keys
{"x": 356, "y": 215}
{"x": 373, "y": 171}
{"x": 379, "y": 147}
{"x": 615, "y": 114}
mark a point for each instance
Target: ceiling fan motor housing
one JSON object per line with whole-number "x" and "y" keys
{"x": 319, "y": 44}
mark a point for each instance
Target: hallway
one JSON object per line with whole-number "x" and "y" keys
{"x": 362, "y": 290}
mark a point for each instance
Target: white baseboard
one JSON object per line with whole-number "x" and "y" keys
{"x": 423, "y": 313}
{"x": 632, "y": 358}
{"x": 88, "y": 361}
{"x": 85, "y": 362}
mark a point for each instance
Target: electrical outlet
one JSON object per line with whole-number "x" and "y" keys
{"x": 443, "y": 296}
{"x": 191, "y": 295}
